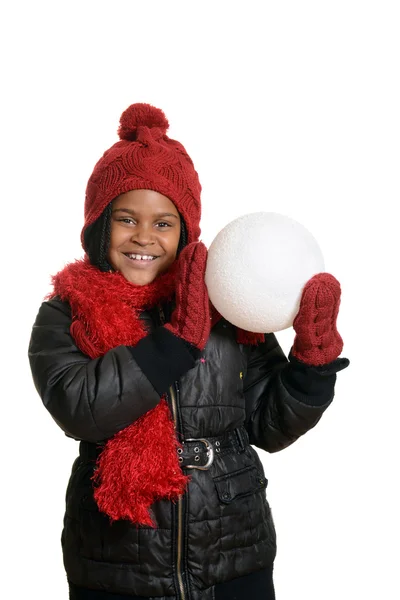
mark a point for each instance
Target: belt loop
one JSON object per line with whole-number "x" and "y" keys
{"x": 241, "y": 439}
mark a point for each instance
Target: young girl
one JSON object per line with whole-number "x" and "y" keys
{"x": 167, "y": 498}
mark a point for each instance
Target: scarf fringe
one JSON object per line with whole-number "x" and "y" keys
{"x": 130, "y": 475}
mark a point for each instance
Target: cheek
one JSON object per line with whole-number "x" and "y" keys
{"x": 117, "y": 237}
{"x": 174, "y": 244}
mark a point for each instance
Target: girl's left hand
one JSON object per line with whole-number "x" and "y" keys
{"x": 317, "y": 340}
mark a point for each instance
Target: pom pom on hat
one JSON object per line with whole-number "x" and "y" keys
{"x": 141, "y": 115}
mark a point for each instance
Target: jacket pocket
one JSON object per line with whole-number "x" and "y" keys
{"x": 238, "y": 484}
{"x": 246, "y": 532}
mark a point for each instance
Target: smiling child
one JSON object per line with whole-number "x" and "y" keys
{"x": 168, "y": 497}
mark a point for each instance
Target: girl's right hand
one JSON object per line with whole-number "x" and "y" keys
{"x": 191, "y": 319}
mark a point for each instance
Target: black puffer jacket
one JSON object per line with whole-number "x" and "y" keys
{"x": 222, "y": 528}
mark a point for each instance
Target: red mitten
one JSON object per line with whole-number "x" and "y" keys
{"x": 191, "y": 319}
{"x": 317, "y": 340}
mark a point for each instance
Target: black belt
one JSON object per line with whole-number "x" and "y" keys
{"x": 199, "y": 453}
{"x": 196, "y": 453}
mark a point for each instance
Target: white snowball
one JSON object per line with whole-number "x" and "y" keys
{"x": 257, "y": 267}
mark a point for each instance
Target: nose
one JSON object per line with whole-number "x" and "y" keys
{"x": 143, "y": 235}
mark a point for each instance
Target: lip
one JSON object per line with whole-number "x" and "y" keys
{"x": 140, "y": 264}
{"x": 140, "y": 253}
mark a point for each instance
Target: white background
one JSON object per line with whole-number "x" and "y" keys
{"x": 284, "y": 106}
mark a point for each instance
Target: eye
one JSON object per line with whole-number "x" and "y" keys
{"x": 163, "y": 225}
{"x": 126, "y": 220}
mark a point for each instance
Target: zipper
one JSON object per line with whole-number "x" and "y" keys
{"x": 180, "y": 513}
{"x": 182, "y": 595}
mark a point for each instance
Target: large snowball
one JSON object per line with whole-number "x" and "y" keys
{"x": 257, "y": 267}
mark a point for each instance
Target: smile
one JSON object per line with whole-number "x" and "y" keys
{"x": 140, "y": 261}
{"x": 140, "y": 257}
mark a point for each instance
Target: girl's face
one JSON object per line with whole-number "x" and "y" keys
{"x": 145, "y": 232}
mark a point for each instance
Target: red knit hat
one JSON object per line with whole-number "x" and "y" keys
{"x": 145, "y": 158}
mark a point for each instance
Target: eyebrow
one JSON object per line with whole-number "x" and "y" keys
{"x": 133, "y": 213}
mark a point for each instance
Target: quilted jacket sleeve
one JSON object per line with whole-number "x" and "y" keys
{"x": 92, "y": 399}
{"x": 284, "y": 398}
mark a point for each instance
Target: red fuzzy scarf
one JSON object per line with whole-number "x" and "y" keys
{"x": 105, "y": 314}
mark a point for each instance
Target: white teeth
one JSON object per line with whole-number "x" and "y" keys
{"x": 140, "y": 257}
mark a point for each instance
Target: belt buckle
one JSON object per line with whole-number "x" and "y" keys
{"x": 210, "y": 454}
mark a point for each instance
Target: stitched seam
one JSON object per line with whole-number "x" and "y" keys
{"x": 212, "y": 406}
{"x": 253, "y": 545}
{"x": 224, "y": 516}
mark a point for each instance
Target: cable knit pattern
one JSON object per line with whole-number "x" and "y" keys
{"x": 317, "y": 340}
{"x": 191, "y": 319}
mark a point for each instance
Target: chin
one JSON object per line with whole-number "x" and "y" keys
{"x": 140, "y": 280}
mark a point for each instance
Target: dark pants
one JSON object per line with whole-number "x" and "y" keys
{"x": 257, "y": 586}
